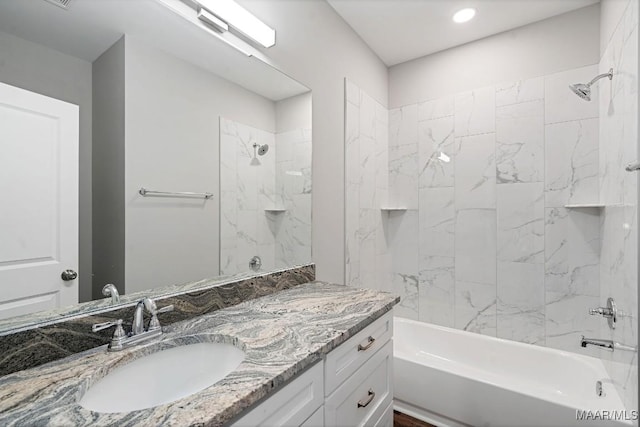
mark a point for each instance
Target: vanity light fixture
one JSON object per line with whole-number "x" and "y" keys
{"x": 212, "y": 20}
{"x": 464, "y": 15}
{"x": 234, "y": 15}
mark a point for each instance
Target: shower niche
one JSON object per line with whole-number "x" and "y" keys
{"x": 265, "y": 184}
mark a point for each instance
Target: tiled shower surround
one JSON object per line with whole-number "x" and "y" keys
{"x": 266, "y": 200}
{"x": 486, "y": 243}
{"x": 468, "y": 206}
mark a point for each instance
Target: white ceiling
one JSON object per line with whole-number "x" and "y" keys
{"x": 401, "y": 30}
{"x": 89, "y": 27}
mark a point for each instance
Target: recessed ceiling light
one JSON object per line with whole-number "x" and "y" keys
{"x": 464, "y": 15}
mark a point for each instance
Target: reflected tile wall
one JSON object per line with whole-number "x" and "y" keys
{"x": 253, "y": 184}
{"x": 291, "y": 229}
{"x": 247, "y": 188}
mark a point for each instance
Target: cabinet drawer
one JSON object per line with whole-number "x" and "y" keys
{"x": 348, "y": 357}
{"x": 315, "y": 420}
{"x": 366, "y": 395}
{"x": 290, "y": 406}
{"x": 386, "y": 420}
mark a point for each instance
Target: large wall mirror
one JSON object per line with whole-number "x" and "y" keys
{"x": 164, "y": 104}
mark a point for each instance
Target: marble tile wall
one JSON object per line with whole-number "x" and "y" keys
{"x": 248, "y": 187}
{"x": 265, "y": 200}
{"x": 618, "y": 106}
{"x": 367, "y": 180}
{"x": 292, "y": 228}
{"x": 487, "y": 243}
{"x": 499, "y": 253}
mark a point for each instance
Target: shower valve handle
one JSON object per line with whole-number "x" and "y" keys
{"x": 603, "y": 311}
{"x": 610, "y": 312}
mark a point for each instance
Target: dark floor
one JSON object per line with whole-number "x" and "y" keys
{"x": 404, "y": 420}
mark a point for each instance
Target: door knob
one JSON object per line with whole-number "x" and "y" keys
{"x": 68, "y": 275}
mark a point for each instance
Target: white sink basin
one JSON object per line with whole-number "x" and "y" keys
{"x": 162, "y": 377}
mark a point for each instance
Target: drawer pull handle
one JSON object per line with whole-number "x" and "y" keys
{"x": 371, "y": 340}
{"x": 369, "y": 399}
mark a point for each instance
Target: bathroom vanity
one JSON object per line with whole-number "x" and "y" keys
{"x": 351, "y": 386}
{"x": 315, "y": 354}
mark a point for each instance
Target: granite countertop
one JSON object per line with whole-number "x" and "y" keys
{"x": 282, "y": 335}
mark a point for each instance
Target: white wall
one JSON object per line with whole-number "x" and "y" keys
{"x": 560, "y": 43}
{"x": 108, "y": 169}
{"x": 46, "y": 71}
{"x": 294, "y": 113}
{"x": 316, "y": 47}
{"x": 172, "y": 144}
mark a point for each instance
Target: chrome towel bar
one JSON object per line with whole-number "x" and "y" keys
{"x": 146, "y": 193}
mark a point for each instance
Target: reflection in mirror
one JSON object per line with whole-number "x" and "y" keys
{"x": 162, "y": 103}
{"x": 265, "y": 183}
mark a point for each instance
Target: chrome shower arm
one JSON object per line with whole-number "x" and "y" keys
{"x": 601, "y": 76}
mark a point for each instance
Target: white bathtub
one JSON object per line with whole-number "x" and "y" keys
{"x": 455, "y": 378}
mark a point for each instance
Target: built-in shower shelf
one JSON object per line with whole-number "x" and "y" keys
{"x": 593, "y": 205}
{"x": 585, "y": 205}
{"x": 275, "y": 210}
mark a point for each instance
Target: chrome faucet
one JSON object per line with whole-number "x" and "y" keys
{"x": 111, "y": 290}
{"x": 608, "y": 344}
{"x": 121, "y": 339}
{"x": 137, "y": 325}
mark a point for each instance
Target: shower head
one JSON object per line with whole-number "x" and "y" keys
{"x": 262, "y": 150}
{"x": 584, "y": 90}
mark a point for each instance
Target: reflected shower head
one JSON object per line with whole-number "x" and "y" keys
{"x": 584, "y": 90}
{"x": 259, "y": 149}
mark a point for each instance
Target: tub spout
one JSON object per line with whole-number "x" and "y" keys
{"x": 608, "y": 344}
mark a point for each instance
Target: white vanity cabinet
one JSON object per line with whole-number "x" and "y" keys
{"x": 296, "y": 403}
{"x": 359, "y": 378}
{"x": 353, "y": 386}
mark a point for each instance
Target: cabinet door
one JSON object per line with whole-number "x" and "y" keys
{"x": 366, "y": 395}
{"x": 292, "y": 405}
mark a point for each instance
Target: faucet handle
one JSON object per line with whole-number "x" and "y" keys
{"x": 117, "y": 323}
{"x": 165, "y": 309}
{"x": 118, "y": 335}
{"x": 154, "y": 323}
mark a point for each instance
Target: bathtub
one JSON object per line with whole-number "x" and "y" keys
{"x": 449, "y": 377}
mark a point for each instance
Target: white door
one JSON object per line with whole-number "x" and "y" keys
{"x": 38, "y": 202}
